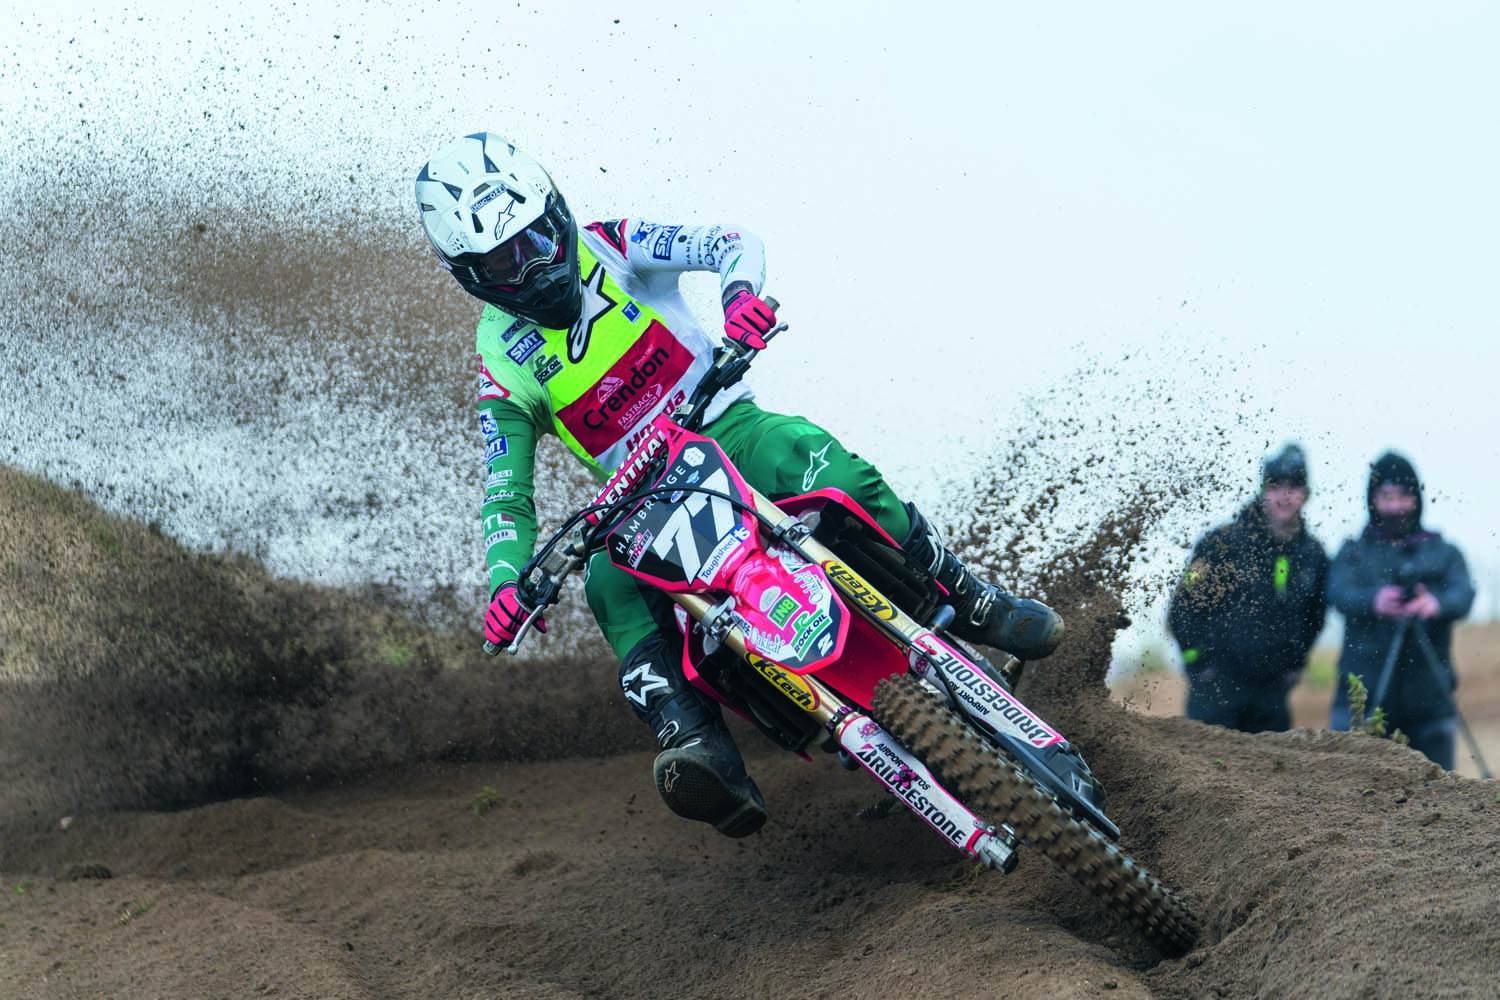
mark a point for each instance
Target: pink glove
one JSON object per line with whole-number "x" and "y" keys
{"x": 1424, "y": 605}
{"x": 1388, "y": 602}
{"x": 747, "y": 319}
{"x": 506, "y": 613}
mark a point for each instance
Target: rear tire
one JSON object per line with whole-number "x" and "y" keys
{"x": 995, "y": 788}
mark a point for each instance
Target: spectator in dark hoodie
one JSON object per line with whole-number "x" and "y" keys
{"x": 1396, "y": 570}
{"x": 1251, "y": 604}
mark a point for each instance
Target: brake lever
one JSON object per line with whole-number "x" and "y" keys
{"x": 741, "y": 351}
{"x": 526, "y": 626}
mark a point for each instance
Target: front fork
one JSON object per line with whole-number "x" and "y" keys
{"x": 907, "y": 778}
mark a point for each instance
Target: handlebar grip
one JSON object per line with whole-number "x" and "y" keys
{"x": 770, "y": 300}
{"x": 492, "y": 649}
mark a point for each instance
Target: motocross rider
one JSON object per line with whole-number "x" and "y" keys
{"x": 585, "y": 335}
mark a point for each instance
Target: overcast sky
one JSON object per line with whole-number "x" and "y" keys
{"x": 1279, "y": 219}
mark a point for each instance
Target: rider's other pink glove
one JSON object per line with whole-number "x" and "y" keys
{"x": 506, "y": 613}
{"x": 747, "y": 318}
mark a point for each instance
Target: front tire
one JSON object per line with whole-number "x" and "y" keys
{"x": 995, "y": 788}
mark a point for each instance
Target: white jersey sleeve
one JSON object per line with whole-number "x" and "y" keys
{"x": 737, "y": 254}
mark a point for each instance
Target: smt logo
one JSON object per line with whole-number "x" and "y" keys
{"x": 661, "y": 247}
{"x": 525, "y": 347}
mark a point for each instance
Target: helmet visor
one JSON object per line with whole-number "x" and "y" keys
{"x": 504, "y": 269}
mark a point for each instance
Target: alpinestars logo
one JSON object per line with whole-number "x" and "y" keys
{"x": 816, "y": 463}
{"x": 505, "y": 218}
{"x": 595, "y": 305}
{"x": 640, "y": 682}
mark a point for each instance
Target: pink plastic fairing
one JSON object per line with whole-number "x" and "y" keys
{"x": 788, "y": 610}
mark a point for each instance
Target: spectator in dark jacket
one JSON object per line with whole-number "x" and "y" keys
{"x": 1251, "y": 604}
{"x": 1396, "y": 572}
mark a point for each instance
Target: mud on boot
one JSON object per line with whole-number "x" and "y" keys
{"x": 699, "y": 774}
{"x": 1026, "y": 629}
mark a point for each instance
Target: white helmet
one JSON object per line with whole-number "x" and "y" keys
{"x": 499, "y": 225}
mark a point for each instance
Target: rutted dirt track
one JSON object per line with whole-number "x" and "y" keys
{"x": 1322, "y": 865}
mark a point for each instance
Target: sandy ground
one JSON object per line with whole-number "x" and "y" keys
{"x": 1321, "y": 864}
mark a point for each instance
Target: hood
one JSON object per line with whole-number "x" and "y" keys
{"x": 1393, "y": 467}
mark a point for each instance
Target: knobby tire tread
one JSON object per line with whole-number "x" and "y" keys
{"x": 996, "y": 789}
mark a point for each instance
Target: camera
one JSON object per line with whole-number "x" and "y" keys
{"x": 1407, "y": 578}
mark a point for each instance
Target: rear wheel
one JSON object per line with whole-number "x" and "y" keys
{"x": 995, "y": 788}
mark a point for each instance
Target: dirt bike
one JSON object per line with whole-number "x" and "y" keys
{"x": 803, "y": 617}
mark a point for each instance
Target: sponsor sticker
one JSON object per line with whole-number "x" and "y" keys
{"x": 661, "y": 247}
{"x": 546, "y": 368}
{"x": 488, "y": 197}
{"x": 498, "y": 478}
{"x": 515, "y": 327}
{"x": 632, "y": 311}
{"x": 487, "y": 425}
{"x": 495, "y": 449}
{"x": 638, "y": 385}
{"x": 643, "y": 232}
{"x": 525, "y": 347}
{"x": 503, "y": 535}
{"x": 807, "y": 628}
{"x": 788, "y": 683}
{"x": 783, "y": 610}
{"x": 737, "y": 536}
{"x": 638, "y": 547}
{"x": 855, "y": 588}
{"x": 487, "y": 387}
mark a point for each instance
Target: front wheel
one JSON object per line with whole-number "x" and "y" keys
{"x": 996, "y": 789}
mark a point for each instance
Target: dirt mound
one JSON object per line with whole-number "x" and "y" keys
{"x": 134, "y": 673}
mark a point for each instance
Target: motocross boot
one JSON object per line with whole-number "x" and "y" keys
{"x": 699, "y": 772}
{"x": 1026, "y": 629}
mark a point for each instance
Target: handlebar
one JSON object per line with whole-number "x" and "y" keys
{"x": 557, "y": 562}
